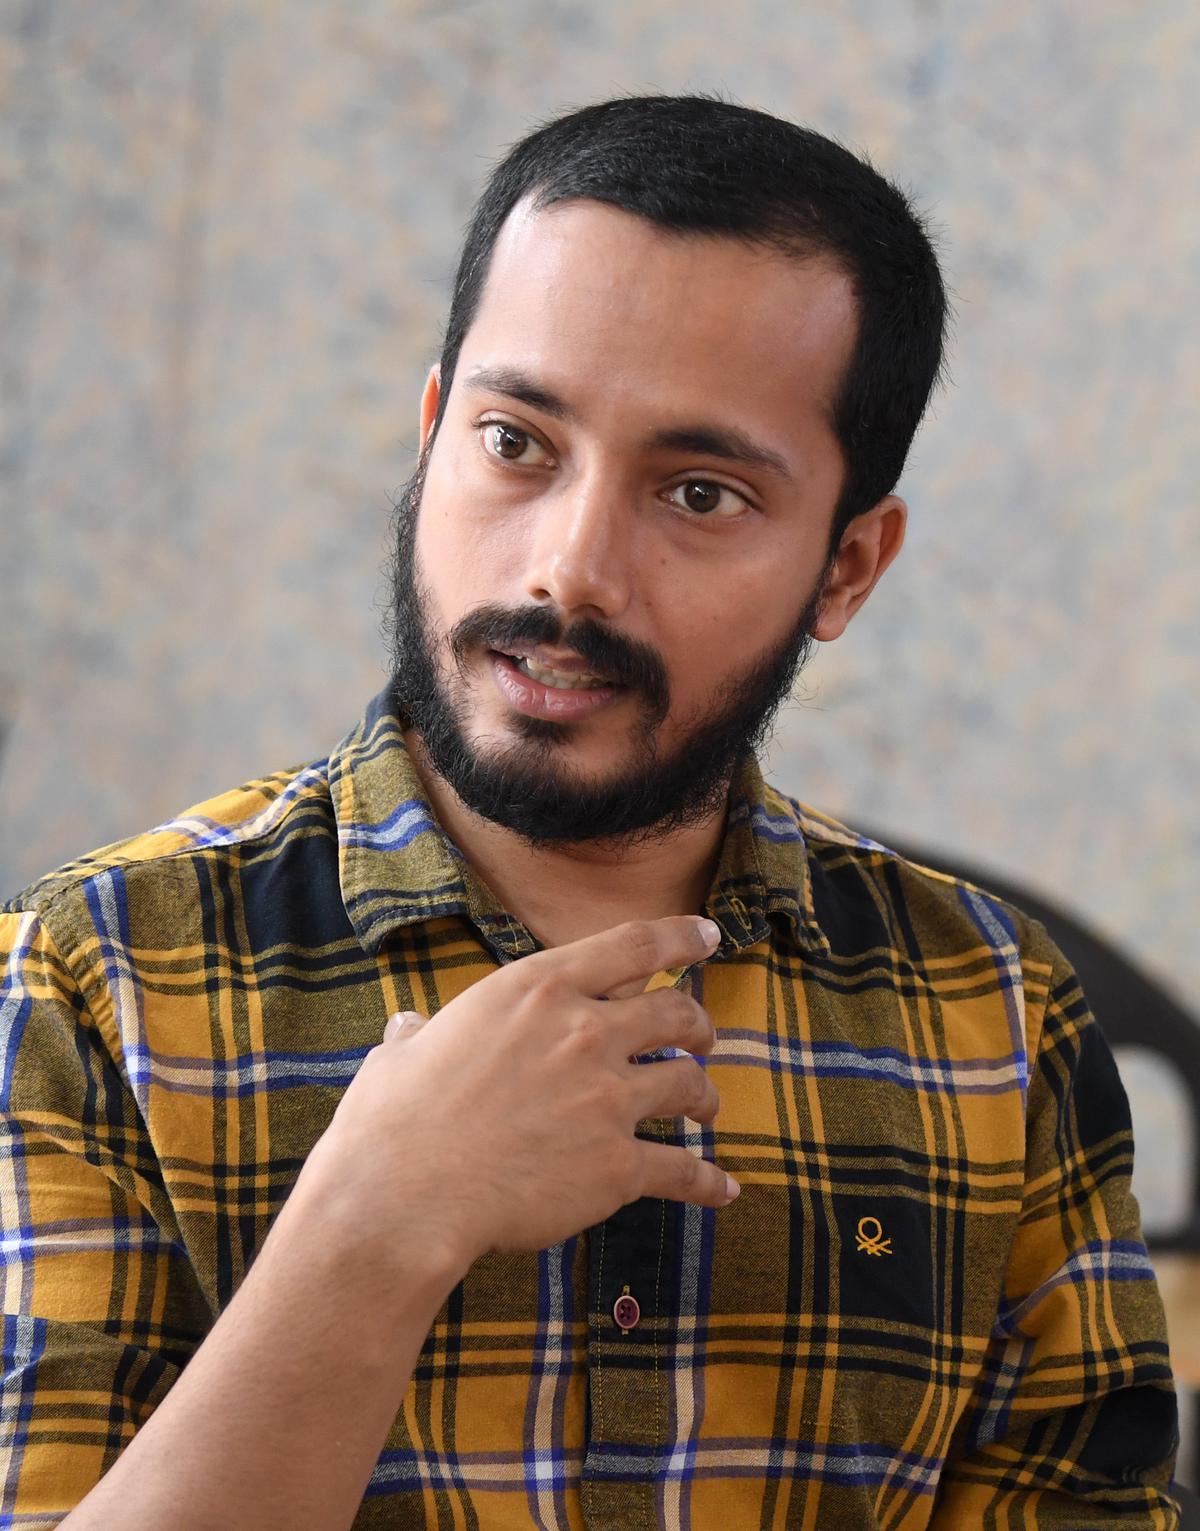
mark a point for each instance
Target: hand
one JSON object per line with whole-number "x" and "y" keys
{"x": 507, "y": 1120}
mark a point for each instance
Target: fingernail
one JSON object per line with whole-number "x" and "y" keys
{"x": 398, "y": 1024}
{"x": 731, "y": 1187}
{"x": 710, "y": 932}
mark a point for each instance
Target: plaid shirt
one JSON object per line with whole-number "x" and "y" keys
{"x": 930, "y": 1305}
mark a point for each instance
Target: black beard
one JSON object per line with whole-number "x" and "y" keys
{"x": 522, "y": 785}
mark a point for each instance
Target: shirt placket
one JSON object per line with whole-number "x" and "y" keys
{"x": 629, "y": 1265}
{"x": 631, "y": 1270}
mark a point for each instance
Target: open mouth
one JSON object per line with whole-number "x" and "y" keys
{"x": 539, "y": 690}
{"x": 557, "y": 680}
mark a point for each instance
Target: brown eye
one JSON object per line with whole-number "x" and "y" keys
{"x": 502, "y": 440}
{"x": 700, "y": 496}
{"x": 703, "y": 497}
{"x": 508, "y": 442}
{"x": 709, "y": 498}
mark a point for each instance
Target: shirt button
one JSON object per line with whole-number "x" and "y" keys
{"x": 626, "y": 1311}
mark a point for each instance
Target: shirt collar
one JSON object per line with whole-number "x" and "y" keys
{"x": 398, "y": 866}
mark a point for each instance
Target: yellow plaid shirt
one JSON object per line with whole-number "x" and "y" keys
{"x": 930, "y": 1305}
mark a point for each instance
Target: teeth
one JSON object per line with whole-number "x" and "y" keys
{"x": 560, "y": 680}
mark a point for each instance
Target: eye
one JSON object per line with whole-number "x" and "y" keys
{"x": 705, "y": 497}
{"x": 511, "y": 444}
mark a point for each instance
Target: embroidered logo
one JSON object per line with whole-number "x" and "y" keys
{"x": 870, "y": 1237}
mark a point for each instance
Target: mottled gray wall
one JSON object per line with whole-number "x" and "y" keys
{"x": 227, "y": 232}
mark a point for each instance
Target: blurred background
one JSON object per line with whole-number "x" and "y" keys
{"x": 228, "y": 232}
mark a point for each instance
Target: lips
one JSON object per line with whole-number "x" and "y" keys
{"x": 526, "y": 693}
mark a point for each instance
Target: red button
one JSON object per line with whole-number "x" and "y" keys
{"x": 626, "y": 1312}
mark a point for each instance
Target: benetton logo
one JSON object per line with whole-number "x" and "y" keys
{"x": 870, "y": 1237}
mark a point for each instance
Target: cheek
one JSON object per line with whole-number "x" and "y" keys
{"x": 469, "y": 552}
{"x": 694, "y": 641}
{"x": 723, "y": 626}
{"x": 450, "y": 555}
{"x": 724, "y": 617}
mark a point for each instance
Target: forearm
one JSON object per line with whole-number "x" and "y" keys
{"x": 279, "y": 1418}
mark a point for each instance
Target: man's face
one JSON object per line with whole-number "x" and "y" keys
{"x": 624, "y": 520}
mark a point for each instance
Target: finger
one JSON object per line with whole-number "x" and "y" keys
{"x": 403, "y": 1025}
{"x": 661, "y": 1018}
{"x": 627, "y": 952}
{"x": 673, "y": 1087}
{"x": 674, "y": 1174}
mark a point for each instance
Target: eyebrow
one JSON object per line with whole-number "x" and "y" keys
{"x": 723, "y": 441}
{"x": 515, "y": 384}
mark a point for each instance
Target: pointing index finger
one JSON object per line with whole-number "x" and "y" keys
{"x": 638, "y": 949}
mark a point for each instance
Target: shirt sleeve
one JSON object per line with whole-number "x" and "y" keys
{"x": 1073, "y": 1422}
{"x": 101, "y": 1308}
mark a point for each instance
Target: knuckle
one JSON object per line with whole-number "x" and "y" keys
{"x": 680, "y": 1008}
{"x": 690, "y": 1173}
{"x": 641, "y": 939}
{"x": 546, "y": 989}
{"x": 588, "y": 1031}
{"x": 550, "y": 982}
{"x": 689, "y": 1020}
{"x": 698, "y": 1088}
{"x": 607, "y": 1096}
{"x": 706, "y": 1032}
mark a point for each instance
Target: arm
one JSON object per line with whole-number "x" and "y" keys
{"x": 101, "y": 1309}
{"x": 508, "y": 1122}
{"x": 1073, "y": 1420}
{"x": 279, "y": 1419}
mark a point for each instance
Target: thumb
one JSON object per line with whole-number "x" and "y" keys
{"x": 403, "y": 1024}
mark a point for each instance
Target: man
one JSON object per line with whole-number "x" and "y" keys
{"x": 526, "y": 1274}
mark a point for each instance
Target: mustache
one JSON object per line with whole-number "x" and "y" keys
{"x": 611, "y": 654}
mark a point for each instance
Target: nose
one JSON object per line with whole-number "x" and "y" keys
{"x": 581, "y": 551}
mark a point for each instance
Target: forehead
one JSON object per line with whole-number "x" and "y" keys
{"x": 605, "y": 306}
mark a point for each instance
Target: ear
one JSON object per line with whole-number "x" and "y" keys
{"x": 868, "y": 546}
{"x": 430, "y": 396}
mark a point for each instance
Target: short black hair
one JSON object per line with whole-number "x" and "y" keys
{"x": 698, "y": 164}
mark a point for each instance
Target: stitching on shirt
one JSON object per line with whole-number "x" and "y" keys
{"x": 599, "y": 1409}
{"x": 662, "y": 1234}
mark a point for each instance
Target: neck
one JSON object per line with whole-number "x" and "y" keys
{"x": 562, "y": 893}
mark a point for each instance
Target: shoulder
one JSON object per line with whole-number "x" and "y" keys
{"x": 866, "y": 896}
{"x": 255, "y": 818}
